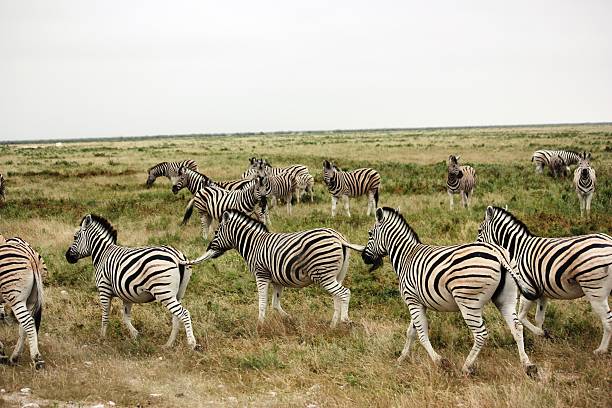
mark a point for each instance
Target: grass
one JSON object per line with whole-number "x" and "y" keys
{"x": 300, "y": 361}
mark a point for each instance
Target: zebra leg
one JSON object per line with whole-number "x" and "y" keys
{"x": 582, "y": 204}
{"x": 278, "y": 291}
{"x": 524, "y": 308}
{"x": 2, "y": 313}
{"x": 288, "y": 199}
{"x": 506, "y": 304}
{"x": 27, "y": 328}
{"x": 450, "y": 197}
{"x": 370, "y": 202}
{"x": 410, "y": 336}
{"x": 599, "y": 303}
{"x": 174, "y": 332}
{"x": 419, "y": 320}
{"x": 262, "y": 291}
{"x": 105, "y": 301}
{"x": 311, "y": 192}
{"x": 3, "y": 356}
{"x": 463, "y": 198}
{"x": 337, "y": 311}
{"x": 127, "y": 319}
{"x": 473, "y": 318}
{"x": 589, "y": 197}
{"x": 176, "y": 308}
{"x": 334, "y": 203}
{"x": 540, "y": 312}
{"x": 337, "y": 291}
{"x": 345, "y": 198}
{"x": 206, "y": 222}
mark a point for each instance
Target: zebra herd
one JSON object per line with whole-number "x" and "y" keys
{"x": 505, "y": 262}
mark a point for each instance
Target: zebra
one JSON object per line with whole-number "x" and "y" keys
{"x": 460, "y": 179}
{"x": 195, "y": 181}
{"x": 212, "y": 201}
{"x": 295, "y": 259}
{"x": 2, "y": 189}
{"x": 353, "y": 183}
{"x": 447, "y": 278}
{"x": 555, "y": 268}
{"x": 541, "y": 158}
{"x": 22, "y": 270}
{"x": 305, "y": 184}
{"x": 280, "y": 186}
{"x": 134, "y": 275}
{"x": 557, "y": 166}
{"x": 169, "y": 170}
{"x": 584, "y": 181}
{"x": 256, "y": 163}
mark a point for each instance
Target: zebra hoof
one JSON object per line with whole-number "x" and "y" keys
{"x": 531, "y": 370}
{"x": 599, "y": 352}
{"x": 547, "y": 335}
{"x": 4, "y": 359}
{"x": 199, "y": 348}
{"x": 468, "y": 371}
{"x": 39, "y": 364}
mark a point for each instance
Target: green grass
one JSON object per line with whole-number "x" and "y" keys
{"x": 299, "y": 361}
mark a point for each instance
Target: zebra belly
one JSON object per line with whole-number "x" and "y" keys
{"x": 571, "y": 290}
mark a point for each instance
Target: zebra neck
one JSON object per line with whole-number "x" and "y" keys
{"x": 195, "y": 184}
{"x": 245, "y": 242}
{"x": 98, "y": 250}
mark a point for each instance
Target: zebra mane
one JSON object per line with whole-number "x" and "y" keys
{"x": 508, "y": 214}
{"x": 401, "y": 217}
{"x": 154, "y": 167}
{"x": 105, "y": 224}
{"x": 258, "y": 224}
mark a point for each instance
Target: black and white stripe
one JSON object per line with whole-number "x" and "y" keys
{"x": 555, "y": 268}
{"x": 256, "y": 164}
{"x": 584, "y": 182}
{"x": 305, "y": 184}
{"x": 169, "y": 170}
{"x": 460, "y": 180}
{"x": 194, "y": 181}
{"x": 212, "y": 202}
{"x": 557, "y": 166}
{"x": 447, "y": 278}
{"x": 295, "y": 259}
{"x": 2, "y": 189}
{"x": 22, "y": 271}
{"x": 282, "y": 186}
{"x": 354, "y": 183}
{"x": 134, "y": 275}
{"x": 541, "y": 158}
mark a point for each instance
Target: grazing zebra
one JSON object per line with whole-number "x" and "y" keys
{"x": 447, "y": 278}
{"x": 213, "y": 201}
{"x": 22, "y": 271}
{"x": 2, "y": 189}
{"x": 555, "y": 268}
{"x": 281, "y": 186}
{"x": 195, "y": 181}
{"x": 354, "y": 183}
{"x": 295, "y": 259}
{"x": 557, "y": 166}
{"x": 134, "y": 275}
{"x": 541, "y": 158}
{"x": 305, "y": 184}
{"x": 584, "y": 181}
{"x": 255, "y": 164}
{"x": 169, "y": 170}
{"x": 460, "y": 179}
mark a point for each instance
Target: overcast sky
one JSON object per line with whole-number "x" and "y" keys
{"x": 124, "y": 68}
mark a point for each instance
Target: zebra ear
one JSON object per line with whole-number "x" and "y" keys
{"x": 457, "y": 158}
{"x": 379, "y": 214}
{"x": 87, "y": 221}
{"x": 326, "y": 164}
{"x": 181, "y": 171}
{"x": 226, "y": 216}
{"x": 588, "y": 156}
{"x": 506, "y": 207}
{"x": 398, "y": 210}
{"x": 489, "y": 213}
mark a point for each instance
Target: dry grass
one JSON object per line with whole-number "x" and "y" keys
{"x": 300, "y": 361}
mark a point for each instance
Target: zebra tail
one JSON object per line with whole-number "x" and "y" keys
{"x": 188, "y": 211}
{"x": 38, "y": 305}
{"x": 356, "y": 247}
{"x": 527, "y": 291}
{"x": 376, "y": 198}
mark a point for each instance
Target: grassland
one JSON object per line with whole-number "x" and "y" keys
{"x": 302, "y": 361}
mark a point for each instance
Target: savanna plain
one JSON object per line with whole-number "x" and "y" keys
{"x": 299, "y": 361}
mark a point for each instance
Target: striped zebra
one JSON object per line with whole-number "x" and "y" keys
{"x": 555, "y": 268}
{"x": 2, "y": 189}
{"x": 134, "y": 275}
{"x": 557, "y": 167}
{"x": 294, "y": 260}
{"x": 305, "y": 184}
{"x": 354, "y": 183}
{"x": 195, "y": 181}
{"x": 460, "y": 179}
{"x": 282, "y": 186}
{"x": 169, "y": 170}
{"x": 213, "y": 201}
{"x": 584, "y": 181}
{"x": 22, "y": 271}
{"x": 447, "y": 278}
{"x": 255, "y": 164}
{"x": 541, "y": 158}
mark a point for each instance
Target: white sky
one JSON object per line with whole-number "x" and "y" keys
{"x": 125, "y": 68}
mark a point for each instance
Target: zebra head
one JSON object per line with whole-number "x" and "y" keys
{"x": 261, "y": 191}
{"x": 454, "y": 172}
{"x": 329, "y": 172}
{"x": 154, "y": 172}
{"x": 94, "y": 233}
{"x": 499, "y": 226}
{"x": 185, "y": 177}
{"x": 584, "y": 164}
{"x": 254, "y": 164}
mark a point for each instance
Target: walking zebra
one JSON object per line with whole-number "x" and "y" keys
{"x": 134, "y": 275}
{"x": 169, "y": 170}
{"x": 354, "y": 183}
{"x": 460, "y": 179}
{"x": 22, "y": 271}
{"x": 584, "y": 181}
{"x": 195, "y": 181}
{"x": 305, "y": 184}
{"x": 447, "y": 278}
{"x": 541, "y": 158}
{"x": 212, "y": 202}
{"x": 555, "y": 268}
{"x": 557, "y": 166}
{"x": 255, "y": 164}
{"x": 295, "y": 259}
{"x": 2, "y": 189}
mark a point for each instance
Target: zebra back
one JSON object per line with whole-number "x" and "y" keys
{"x": 543, "y": 157}
{"x": 169, "y": 170}
{"x": 351, "y": 183}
